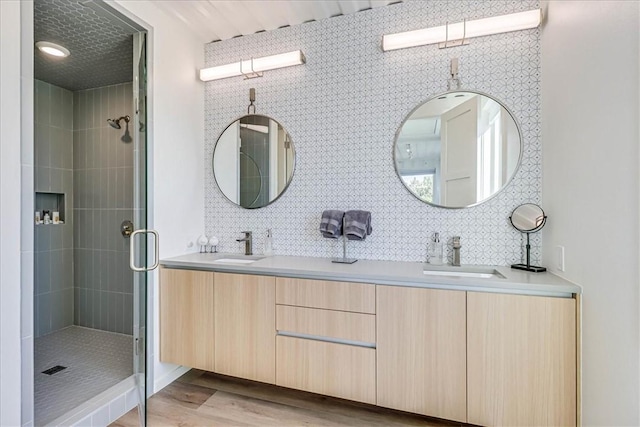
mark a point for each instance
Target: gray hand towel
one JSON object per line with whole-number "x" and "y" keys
{"x": 357, "y": 225}
{"x": 331, "y": 223}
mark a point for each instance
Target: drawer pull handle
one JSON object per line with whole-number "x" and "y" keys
{"x": 327, "y": 339}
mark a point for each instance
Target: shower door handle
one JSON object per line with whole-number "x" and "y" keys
{"x": 132, "y": 253}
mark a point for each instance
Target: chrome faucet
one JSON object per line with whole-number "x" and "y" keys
{"x": 248, "y": 242}
{"x": 456, "y": 251}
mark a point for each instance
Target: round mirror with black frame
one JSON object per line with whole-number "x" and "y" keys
{"x": 528, "y": 218}
{"x": 457, "y": 149}
{"x": 253, "y": 161}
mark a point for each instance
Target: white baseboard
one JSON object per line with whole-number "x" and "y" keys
{"x": 169, "y": 377}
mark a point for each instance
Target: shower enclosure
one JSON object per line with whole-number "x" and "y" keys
{"x": 90, "y": 178}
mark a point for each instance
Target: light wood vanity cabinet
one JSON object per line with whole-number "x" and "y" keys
{"x": 521, "y": 356}
{"x": 421, "y": 350}
{"x": 245, "y": 326}
{"x": 326, "y": 338}
{"x": 481, "y": 358}
{"x": 186, "y": 318}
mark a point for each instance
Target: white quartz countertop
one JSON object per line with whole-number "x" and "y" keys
{"x": 394, "y": 273}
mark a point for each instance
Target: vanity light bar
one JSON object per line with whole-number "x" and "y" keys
{"x": 463, "y": 30}
{"x": 253, "y": 66}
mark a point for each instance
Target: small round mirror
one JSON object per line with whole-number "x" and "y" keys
{"x": 528, "y": 218}
{"x": 457, "y": 149}
{"x": 253, "y": 161}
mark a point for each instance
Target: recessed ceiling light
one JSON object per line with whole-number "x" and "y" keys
{"x": 53, "y": 49}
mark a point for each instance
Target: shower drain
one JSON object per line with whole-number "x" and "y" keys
{"x": 54, "y": 370}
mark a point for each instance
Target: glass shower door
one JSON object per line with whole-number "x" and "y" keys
{"x": 139, "y": 240}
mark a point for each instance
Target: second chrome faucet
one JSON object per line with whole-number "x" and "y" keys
{"x": 456, "y": 251}
{"x": 248, "y": 242}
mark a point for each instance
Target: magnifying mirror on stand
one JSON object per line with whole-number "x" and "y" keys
{"x": 528, "y": 218}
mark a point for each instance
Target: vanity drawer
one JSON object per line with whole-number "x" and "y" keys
{"x": 339, "y": 370}
{"x": 326, "y": 323}
{"x": 344, "y": 296}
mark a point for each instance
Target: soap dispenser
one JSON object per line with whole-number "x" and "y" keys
{"x": 436, "y": 251}
{"x": 268, "y": 243}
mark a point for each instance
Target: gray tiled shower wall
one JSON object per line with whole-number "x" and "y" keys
{"x": 81, "y": 268}
{"x": 103, "y": 190}
{"x": 53, "y": 138}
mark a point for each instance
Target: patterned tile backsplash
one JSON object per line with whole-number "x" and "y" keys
{"x": 342, "y": 110}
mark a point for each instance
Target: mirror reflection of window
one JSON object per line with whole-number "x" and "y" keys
{"x": 421, "y": 185}
{"x": 490, "y": 149}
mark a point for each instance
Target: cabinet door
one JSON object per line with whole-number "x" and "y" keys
{"x": 421, "y": 351}
{"x": 329, "y": 368}
{"x": 186, "y": 318}
{"x": 245, "y": 324}
{"x": 521, "y": 360}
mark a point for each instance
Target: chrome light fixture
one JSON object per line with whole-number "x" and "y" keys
{"x": 253, "y": 67}
{"x": 450, "y": 35}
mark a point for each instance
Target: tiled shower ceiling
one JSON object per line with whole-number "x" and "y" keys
{"x": 101, "y": 45}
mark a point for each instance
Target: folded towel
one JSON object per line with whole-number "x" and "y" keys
{"x": 357, "y": 224}
{"x": 331, "y": 223}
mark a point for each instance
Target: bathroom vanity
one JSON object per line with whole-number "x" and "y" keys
{"x": 485, "y": 351}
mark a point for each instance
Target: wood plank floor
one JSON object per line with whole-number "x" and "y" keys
{"x": 201, "y": 398}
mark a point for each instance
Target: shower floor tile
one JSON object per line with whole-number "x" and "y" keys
{"x": 95, "y": 360}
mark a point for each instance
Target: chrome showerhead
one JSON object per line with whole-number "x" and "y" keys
{"x": 115, "y": 123}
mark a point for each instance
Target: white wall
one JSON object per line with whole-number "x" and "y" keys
{"x": 176, "y": 132}
{"x": 590, "y": 93}
{"x": 10, "y": 165}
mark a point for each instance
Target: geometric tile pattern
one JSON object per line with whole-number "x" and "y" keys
{"x": 101, "y": 46}
{"x": 95, "y": 361}
{"x": 342, "y": 110}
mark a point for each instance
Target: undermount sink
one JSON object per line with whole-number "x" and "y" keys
{"x": 238, "y": 259}
{"x": 474, "y": 272}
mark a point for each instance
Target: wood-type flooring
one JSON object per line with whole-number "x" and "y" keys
{"x": 201, "y": 398}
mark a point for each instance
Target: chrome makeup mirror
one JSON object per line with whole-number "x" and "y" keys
{"x": 253, "y": 161}
{"x": 457, "y": 149}
{"x": 528, "y": 218}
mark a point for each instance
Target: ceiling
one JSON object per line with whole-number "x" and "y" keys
{"x": 100, "y": 43}
{"x": 213, "y": 20}
{"x": 100, "y": 39}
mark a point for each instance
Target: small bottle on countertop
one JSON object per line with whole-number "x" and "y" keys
{"x": 436, "y": 251}
{"x": 268, "y": 243}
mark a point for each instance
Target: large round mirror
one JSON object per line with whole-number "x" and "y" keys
{"x": 457, "y": 149}
{"x": 253, "y": 161}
